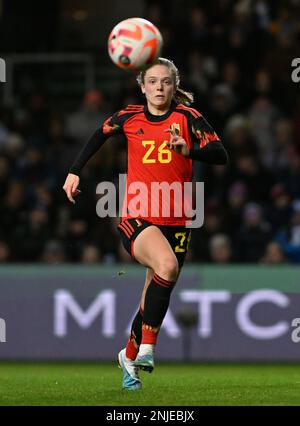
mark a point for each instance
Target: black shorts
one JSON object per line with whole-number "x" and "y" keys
{"x": 178, "y": 236}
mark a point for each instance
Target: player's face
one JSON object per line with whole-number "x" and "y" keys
{"x": 158, "y": 87}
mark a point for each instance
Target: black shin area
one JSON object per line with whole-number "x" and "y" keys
{"x": 157, "y": 301}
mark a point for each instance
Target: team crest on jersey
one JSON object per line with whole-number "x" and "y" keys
{"x": 175, "y": 127}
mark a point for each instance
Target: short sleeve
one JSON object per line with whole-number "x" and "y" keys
{"x": 113, "y": 125}
{"x": 202, "y": 132}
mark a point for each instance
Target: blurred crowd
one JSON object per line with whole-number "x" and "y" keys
{"x": 236, "y": 58}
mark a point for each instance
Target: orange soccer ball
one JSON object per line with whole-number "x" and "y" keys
{"x": 134, "y": 43}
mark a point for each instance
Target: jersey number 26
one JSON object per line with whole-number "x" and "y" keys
{"x": 164, "y": 155}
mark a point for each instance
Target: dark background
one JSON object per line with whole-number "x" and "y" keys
{"x": 234, "y": 55}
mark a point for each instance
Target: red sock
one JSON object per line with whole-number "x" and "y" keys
{"x": 149, "y": 334}
{"x": 131, "y": 349}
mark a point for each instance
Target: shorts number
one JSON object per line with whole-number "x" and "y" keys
{"x": 164, "y": 154}
{"x": 181, "y": 236}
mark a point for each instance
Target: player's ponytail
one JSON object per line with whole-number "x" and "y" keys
{"x": 180, "y": 95}
{"x": 183, "y": 97}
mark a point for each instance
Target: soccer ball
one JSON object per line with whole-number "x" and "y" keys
{"x": 134, "y": 44}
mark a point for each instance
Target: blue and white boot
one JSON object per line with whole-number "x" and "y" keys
{"x": 131, "y": 380}
{"x": 145, "y": 359}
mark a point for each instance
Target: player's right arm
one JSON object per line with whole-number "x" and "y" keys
{"x": 111, "y": 126}
{"x": 71, "y": 186}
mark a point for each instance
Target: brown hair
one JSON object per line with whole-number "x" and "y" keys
{"x": 180, "y": 95}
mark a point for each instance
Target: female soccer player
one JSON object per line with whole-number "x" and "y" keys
{"x": 160, "y": 144}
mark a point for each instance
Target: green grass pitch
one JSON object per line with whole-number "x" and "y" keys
{"x": 169, "y": 384}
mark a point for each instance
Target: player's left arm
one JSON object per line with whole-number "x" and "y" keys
{"x": 211, "y": 149}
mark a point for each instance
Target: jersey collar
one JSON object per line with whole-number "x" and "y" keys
{"x": 152, "y": 117}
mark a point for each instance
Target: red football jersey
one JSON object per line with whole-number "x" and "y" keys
{"x": 156, "y": 175}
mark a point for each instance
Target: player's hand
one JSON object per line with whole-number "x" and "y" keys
{"x": 70, "y": 187}
{"x": 177, "y": 143}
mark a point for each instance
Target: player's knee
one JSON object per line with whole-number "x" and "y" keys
{"x": 168, "y": 268}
